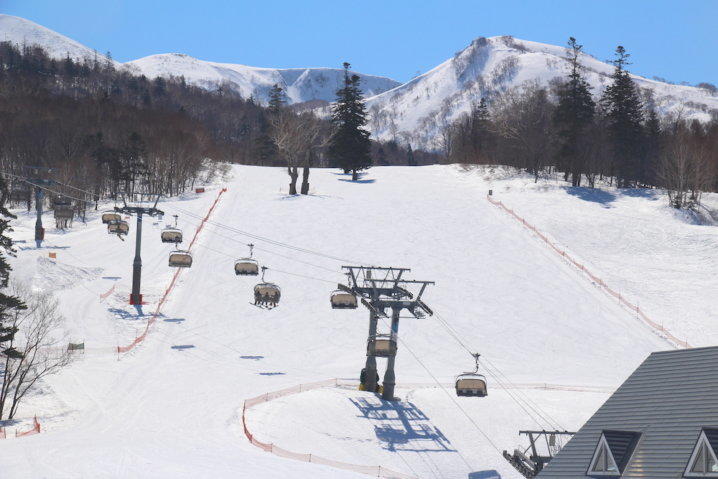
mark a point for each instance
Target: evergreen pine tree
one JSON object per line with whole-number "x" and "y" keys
{"x": 277, "y": 99}
{"x": 480, "y": 133}
{"x": 349, "y": 145}
{"x": 624, "y": 115}
{"x": 653, "y": 134}
{"x": 573, "y": 115}
{"x": 8, "y": 304}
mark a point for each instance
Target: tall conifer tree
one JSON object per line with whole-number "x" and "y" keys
{"x": 573, "y": 115}
{"x": 349, "y": 145}
{"x": 624, "y": 114}
{"x": 277, "y": 98}
{"x": 8, "y": 304}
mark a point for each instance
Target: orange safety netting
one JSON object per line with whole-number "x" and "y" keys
{"x": 153, "y": 318}
{"x": 34, "y": 430}
{"x": 596, "y": 280}
{"x": 376, "y": 471}
{"x": 108, "y": 293}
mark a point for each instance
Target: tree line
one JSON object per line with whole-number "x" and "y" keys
{"x": 107, "y": 130}
{"x": 617, "y": 138}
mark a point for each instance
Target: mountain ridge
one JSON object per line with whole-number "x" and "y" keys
{"x": 417, "y": 111}
{"x": 414, "y": 112}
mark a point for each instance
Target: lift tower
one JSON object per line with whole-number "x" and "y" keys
{"x": 414, "y": 305}
{"x": 136, "y": 296}
{"x": 382, "y": 288}
{"x": 369, "y": 283}
{"x": 37, "y": 178}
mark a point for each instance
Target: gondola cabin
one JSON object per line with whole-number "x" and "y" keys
{"x": 120, "y": 227}
{"x": 381, "y": 346}
{"x": 171, "y": 235}
{"x": 246, "y": 267}
{"x": 180, "y": 259}
{"x": 343, "y": 300}
{"x": 110, "y": 216}
{"x": 267, "y": 294}
{"x": 471, "y": 385}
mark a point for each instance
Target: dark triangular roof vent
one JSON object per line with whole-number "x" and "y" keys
{"x": 612, "y": 453}
{"x": 703, "y": 462}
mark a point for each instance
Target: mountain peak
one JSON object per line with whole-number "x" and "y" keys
{"x": 417, "y": 111}
{"x": 21, "y": 31}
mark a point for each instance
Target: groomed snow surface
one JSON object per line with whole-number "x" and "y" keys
{"x": 173, "y": 406}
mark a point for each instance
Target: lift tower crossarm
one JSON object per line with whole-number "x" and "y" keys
{"x": 364, "y": 284}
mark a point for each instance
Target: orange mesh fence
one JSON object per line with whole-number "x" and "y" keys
{"x": 153, "y": 317}
{"x": 34, "y": 430}
{"x": 596, "y": 280}
{"x": 376, "y": 471}
{"x": 105, "y": 295}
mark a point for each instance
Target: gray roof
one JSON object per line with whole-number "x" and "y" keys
{"x": 668, "y": 399}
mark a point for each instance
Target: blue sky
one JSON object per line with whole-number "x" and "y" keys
{"x": 677, "y": 40}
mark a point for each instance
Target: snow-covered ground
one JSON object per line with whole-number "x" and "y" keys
{"x": 173, "y": 406}
{"x": 661, "y": 259}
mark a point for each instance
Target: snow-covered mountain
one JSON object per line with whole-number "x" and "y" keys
{"x": 300, "y": 84}
{"x": 417, "y": 111}
{"x": 24, "y": 32}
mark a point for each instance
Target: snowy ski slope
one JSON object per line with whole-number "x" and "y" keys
{"x": 172, "y": 407}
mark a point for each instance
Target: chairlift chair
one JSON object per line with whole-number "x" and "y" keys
{"x": 343, "y": 300}
{"x": 381, "y": 346}
{"x": 266, "y": 294}
{"x": 471, "y": 384}
{"x": 247, "y": 266}
{"x": 110, "y": 216}
{"x": 118, "y": 227}
{"x": 180, "y": 259}
{"x": 171, "y": 234}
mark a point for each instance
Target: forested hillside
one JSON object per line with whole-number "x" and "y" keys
{"x": 106, "y": 130}
{"x": 618, "y": 138}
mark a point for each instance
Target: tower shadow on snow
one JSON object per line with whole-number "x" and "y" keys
{"x": 127, "y": 315}
{"x": 399, "y": 423}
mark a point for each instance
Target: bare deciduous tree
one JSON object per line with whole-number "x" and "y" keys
{"x": 523, "y": 118}
{"x": 39, "y": 343}
{"x": 296, "y": 136}
{"x": 684, "y": 169}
